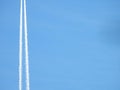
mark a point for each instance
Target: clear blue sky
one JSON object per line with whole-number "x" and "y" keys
{"x": 73, "y": 44}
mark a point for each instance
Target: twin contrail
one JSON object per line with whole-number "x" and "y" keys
{"x": 26, "y": 47}
{"x": 20, "y": 48}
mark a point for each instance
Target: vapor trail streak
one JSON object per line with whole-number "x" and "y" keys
{"x": 20, "y": 49}
{"x": 26, "y": 48}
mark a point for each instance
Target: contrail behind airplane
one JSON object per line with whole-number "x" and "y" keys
{"x": 26, "y": 47}
{"x": 20, "y": 48}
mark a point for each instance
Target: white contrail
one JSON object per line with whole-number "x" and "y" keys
{"x": 26, "y": 48}
{"x": 20, "y": 49}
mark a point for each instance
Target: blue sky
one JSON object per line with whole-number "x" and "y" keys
{"x": 73, "y": 45}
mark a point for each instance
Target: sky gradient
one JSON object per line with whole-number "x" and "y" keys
{"x": 73, "y": 45}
